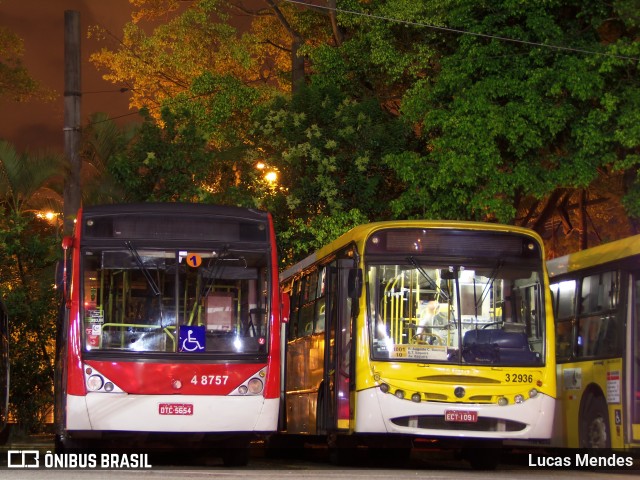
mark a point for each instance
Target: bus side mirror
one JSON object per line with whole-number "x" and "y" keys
{"x": 59, "y": 275}
{"x": 67, "y": 243}
{"x": 285, "y": 305}
{"x": 355, "y": 283}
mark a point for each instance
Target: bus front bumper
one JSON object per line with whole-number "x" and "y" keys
{"x": 377, "y": 412}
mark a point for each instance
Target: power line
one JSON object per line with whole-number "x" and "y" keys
{"x": 405, "y": 22}
{"x": 462, "y": 32}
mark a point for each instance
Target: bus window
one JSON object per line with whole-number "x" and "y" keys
{"x": 564, "y": 295}
{"x": 598, "y": 332}
{"x": 564, "y": 339}
{"x": 599, "y": 293}
{"x": 294, "y": 307}
{"x": 320, "y": 316}
{"x": 564, "y": 299}
{"x": 460, "y": 309}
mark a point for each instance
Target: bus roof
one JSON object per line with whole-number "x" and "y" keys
{"x": 175, "y": 208}
{"x": 605, "y": 253}
{"x": 360, "y": 233}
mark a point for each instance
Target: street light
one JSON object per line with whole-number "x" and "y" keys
{"x": 271, "y": 177}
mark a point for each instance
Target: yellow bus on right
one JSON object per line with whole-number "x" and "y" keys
{"x": 596, "y": 302}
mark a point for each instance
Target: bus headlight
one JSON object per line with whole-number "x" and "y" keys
{"x": 502, "y": 401}
{"x": 416, "y": 397}
{"x": 518, "y": 398}
{"x": 384, "y": 388}
{"x": 533, "y": 393}
{"x": 400, "y": 394}
{"x": 255, "y": 386}
{"x": 95, "y": 383}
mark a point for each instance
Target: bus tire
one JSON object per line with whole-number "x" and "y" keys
{"x": 594, "y": 423}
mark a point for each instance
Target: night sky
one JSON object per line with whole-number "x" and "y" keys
{"x": 37, "y": 125}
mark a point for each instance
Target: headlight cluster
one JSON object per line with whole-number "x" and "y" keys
{"x": 460, "y": 393}
{"x": 96, "y": 382}
{"x": 252, "y": 386}
{"x": 401, "y": 394}
{"x": 519, "y": 398}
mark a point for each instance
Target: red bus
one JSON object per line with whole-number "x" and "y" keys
{"x": 170, "y": 329}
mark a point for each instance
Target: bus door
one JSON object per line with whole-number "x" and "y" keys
{"x": 333, "y": 404}
{"x": 633, "y": 360}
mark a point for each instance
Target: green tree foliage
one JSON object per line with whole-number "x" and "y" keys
{"x": 376, "y": 57}
{"x": 164, "y": 163}
{"x": 504, "y": 122}
{"x": 102, "y": 143}
{"x": 328, "y": 150}
{"x": 16, "y": 84}
{"x": 29, "y": 247}
{"x": 513, "y": 105}
{"x": 29, "y": 183}
{"x": 204, "y": 37}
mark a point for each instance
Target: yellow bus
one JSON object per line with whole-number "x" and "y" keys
{"x": 596, "y": 297}
{"x": 432, "y": 330}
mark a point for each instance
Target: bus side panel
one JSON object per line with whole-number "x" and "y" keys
{"x": 74, "y": 380}
{"x": 601, "y": 378}
{"x": 273, "y": 378}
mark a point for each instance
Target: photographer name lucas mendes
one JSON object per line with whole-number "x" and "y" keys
{"x": 581, "y": 460}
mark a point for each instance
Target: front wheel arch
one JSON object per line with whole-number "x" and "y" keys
{"x": 593, "y": 422}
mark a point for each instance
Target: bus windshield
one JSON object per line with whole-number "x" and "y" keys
{"x": 139, "y": 299}
{"x": 488, "y": 313}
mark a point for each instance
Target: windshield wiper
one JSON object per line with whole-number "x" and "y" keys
{"x": 487, "y": 287}
{"x": 143, "y": 269}
{"x": 432, "y": 282}
{"x": 214, "y": 271}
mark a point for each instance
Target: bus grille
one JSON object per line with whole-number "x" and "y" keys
{"x": 436, "y": 422}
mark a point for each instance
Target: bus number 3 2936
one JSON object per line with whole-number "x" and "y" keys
{"x": 519, "y": 378}
{"x": 210, "y": 379}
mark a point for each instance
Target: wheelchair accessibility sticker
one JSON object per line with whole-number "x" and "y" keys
{"x": 191, "y": 339}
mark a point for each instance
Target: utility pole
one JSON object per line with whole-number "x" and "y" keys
{"x": 72, "y": 94}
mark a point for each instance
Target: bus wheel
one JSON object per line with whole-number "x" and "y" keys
{"x": 594, "y": 424}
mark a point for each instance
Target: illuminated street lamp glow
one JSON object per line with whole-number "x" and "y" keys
{"x": 48, "y": 216}
{"x": 271, "y": 177}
